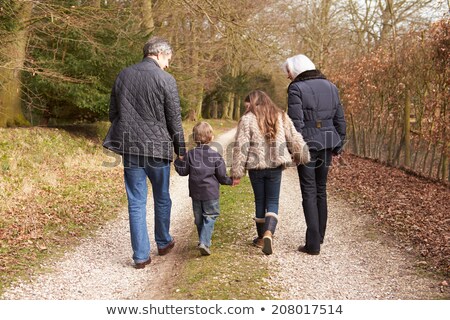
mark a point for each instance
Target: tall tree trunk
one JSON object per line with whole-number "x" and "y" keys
{"x": 232, "y": 95}
{"x": 226, "y": 107}
{"x": 424, "y": 163}
{"x": 407, "y": 128}
{"x": 392, "y": 143}
{"x": 10, "y": 72}
{"x": 364, "y": 144}
{"x": 325, "y": 26}
{"x": 387, "y": 17}
{"x": 197, "y": 89}
{"x": 445, "y": 164}
{"x": 433, "y": 157}
{"x": 215, "y": 107}
{"x": 199, "y": 100}
{"x": 237, "y": 107}
{"x": 416, "y": 152}
{"x": 230, "y": 103}
{"x": 145, "y": 17}
{"x": 223, "y": 108}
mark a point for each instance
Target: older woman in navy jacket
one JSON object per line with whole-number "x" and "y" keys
{"x": 315, "y": 108}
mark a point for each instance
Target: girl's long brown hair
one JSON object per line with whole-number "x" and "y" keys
{"x": 266, "y": 113}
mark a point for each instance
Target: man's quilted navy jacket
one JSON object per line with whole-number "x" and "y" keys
{"x": 145, "y": 113}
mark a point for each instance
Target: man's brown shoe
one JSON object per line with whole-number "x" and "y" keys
{"x": 141, "y": 265}
{"x": 165, "y": 250}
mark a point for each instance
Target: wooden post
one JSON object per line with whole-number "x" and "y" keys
{"x": 355, "y": 140}
{"x": 407, "y": 128}
{"x": 433, "y": 157}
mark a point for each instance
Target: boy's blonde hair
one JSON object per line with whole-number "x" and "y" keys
{"x": 202, "y": 133}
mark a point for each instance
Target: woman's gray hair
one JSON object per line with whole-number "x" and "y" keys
{"x": 155, "y": 46}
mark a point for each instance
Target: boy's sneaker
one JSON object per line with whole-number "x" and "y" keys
{"x": 204, "y": 250}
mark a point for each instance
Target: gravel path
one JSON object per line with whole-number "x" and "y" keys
{"x": 355, "y": 262}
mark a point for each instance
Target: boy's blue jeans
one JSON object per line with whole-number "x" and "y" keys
{"x": 205, "y": 215}
{"x": 266, "y": 185}
{"x": 136, "y": 171}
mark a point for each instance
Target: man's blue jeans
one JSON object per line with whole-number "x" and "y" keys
{"x": 266, "y": 187}
{"x": 136, "y": 171}
{"x": 205, "y": 215}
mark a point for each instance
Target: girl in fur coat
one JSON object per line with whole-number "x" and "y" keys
{"x": 266, "y": 142}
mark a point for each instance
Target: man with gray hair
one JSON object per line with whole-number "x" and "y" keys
{"x": 145, "y": 117}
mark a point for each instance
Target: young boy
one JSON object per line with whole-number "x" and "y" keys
{"x": 206, "y": 169}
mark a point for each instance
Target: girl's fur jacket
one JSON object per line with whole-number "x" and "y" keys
{"x": 252, "y": 151}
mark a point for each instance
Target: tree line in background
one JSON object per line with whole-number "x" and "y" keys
{"x": 397, "y": 102}
{"x": 389, "y": 58}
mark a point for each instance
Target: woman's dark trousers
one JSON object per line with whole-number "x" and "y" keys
{"x": 313, "y": 183}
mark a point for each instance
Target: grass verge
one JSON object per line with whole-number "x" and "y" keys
{"x": 235, "y": 269}
{"x": 54, "y": 190}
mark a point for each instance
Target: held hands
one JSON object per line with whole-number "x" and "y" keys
{"x": 235, "y": 182}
